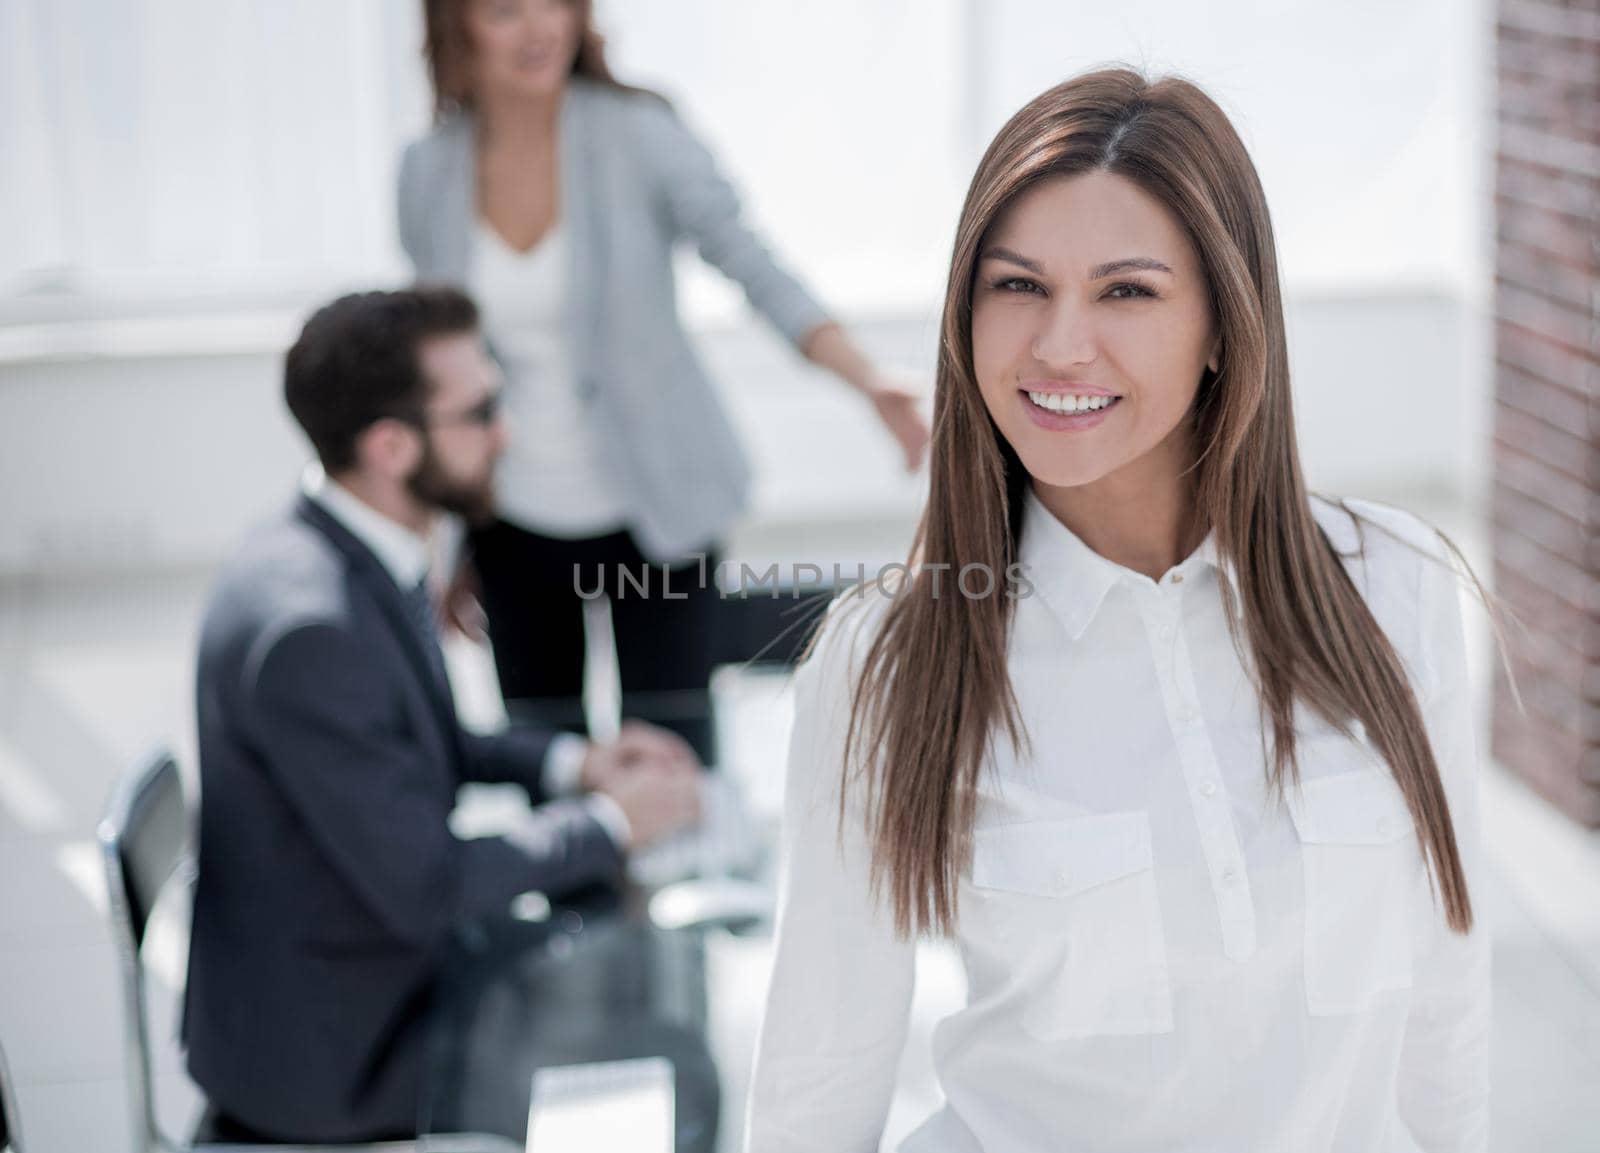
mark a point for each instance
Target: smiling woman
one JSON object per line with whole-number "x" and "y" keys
{"x": 1211, "y": 792}
{"x": 1085, "y": 338}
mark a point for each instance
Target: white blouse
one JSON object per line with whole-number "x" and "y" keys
{"x": 551, "y": 479}
{"x": 1158, "y": 958}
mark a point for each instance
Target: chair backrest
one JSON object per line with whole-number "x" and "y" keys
{"x": 10, "y": 1126}
{"x": 143, "y": 840}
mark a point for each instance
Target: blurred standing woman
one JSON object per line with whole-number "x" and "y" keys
{"x": 556, "y": 195}
{"x": 1192, "y": 787}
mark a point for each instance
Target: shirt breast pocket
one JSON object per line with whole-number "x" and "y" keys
{"x": 1360, "y": 858}
{"x": 1071, "y": 908}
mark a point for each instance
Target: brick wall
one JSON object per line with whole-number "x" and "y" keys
{"x": 1546, "y": 503}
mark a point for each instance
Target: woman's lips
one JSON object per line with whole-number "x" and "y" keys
{"x": 1068, "y": 421}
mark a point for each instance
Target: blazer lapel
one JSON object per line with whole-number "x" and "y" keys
{"x": 580, "y": 164}
{"x": 455, "y": 211}
{"x": 370, "y": 571}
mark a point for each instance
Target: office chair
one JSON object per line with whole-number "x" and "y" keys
{"x": 144, "y": 842}
{"x": 10, "y": 1123}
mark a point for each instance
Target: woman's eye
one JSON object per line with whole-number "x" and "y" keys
{"x": 1128, "y": 290}
{"x": 1018, "y": 284}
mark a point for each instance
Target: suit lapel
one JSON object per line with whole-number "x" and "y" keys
{"x": 366, "y": 568}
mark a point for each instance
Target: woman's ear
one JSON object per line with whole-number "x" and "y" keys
{"x": 1214, "y": 363}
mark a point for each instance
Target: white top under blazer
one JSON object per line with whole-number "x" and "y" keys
{"x": 1159, "y": 959}
{"x": 551, "y": 479}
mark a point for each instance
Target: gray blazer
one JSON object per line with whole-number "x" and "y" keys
{"x": 330, "y": 884}
{"x": 634, "y": 181}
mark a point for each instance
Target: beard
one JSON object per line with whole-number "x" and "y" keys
{"x": 473, "y": 501}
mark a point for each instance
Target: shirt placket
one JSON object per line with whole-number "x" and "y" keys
{"x": 1162, "y": 610}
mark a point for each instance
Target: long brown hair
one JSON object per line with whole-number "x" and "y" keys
{"x": 934, "y": 692}
{"x": 448, "y": 51}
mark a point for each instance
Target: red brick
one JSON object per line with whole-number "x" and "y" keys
{"x": 1571, "y": 62}
{"x": 1550, "y": 530}
{"x": 1546, "y": 498}
{"x": 1555, "y": 146}
{"x": 1537, "y": 186}
{"x": 1564, "y": 282}
{"x": 1550, "y": 698}
{"x": 1568, "y": 238}
{"x": 1564, "y": 580}
{"x": 1549, "y": 106}
{"x": 1542, "y": 610}
{"x": 1522, "y": 469}
{"x": 1550, "y": 21}
{"x": 1533, "y": 352}
{"x": 1559, "y": 322}
{"x": 1553, "y": 764}
{"x": 1569, "y": 450}
{"x": 1550, "y": 403}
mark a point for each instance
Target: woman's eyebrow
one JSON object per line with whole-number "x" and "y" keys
{"x": 1128, "y": 264}
{"x": 1000, "y": 252}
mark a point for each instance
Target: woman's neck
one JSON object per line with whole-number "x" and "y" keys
{"x": 1142, "y": 517}
{"x": 516, "y": 123}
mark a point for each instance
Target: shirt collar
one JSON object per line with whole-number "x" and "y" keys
{"x": 1075, "y": 580}
{"x": 403, "y": 554}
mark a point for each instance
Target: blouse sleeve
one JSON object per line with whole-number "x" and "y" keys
{"x": 840, "y": 997}
{"x": 1443, "y": 1090}
{"x": 703, "y": 206}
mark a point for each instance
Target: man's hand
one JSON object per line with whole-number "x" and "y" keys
{"x": 658, "y": 801}
{"x": 653, "y": 774}
{"x": 638, "y": 745}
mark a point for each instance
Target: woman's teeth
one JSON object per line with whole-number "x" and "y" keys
{"x": 1061, "y": 402}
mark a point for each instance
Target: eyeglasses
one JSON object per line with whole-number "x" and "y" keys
{"x": 483, "y": 414}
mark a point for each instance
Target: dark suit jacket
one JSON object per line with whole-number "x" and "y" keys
{"x": 329, "y": 881}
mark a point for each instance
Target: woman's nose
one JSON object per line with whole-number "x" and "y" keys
{"x": 1067, "y": 338}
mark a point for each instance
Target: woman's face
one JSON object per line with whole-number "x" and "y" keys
{"x": 1091, "y": 325}
{"x": 522, "y": 47}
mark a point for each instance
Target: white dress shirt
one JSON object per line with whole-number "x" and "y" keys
{"x": 551, "y": 478}
{"x": 405, "y": 557}
{"x": 1158, "y": 957}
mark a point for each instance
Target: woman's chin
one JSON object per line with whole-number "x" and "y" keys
{"x": 1053, "y": 472}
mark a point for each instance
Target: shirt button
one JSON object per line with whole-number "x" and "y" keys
{"x": 1208, "y": 789}
{"x": 1230, "y": 875}
{"x": 1177, "y": 578}
{"x": 1065, "y": 878}
{"x": 1166, "y": 632}
{"x": 1186, "y": 716}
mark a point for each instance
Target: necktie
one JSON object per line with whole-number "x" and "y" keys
{"x": 419, "y": 605}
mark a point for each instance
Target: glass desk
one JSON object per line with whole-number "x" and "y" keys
{"x": 595, "y": 978}
{"x": 596, "y": 981}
